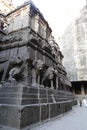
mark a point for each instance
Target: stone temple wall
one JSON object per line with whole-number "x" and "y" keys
{"x": 74, "y": 48}
{"x": 18, "y": 48}
{"x": 33, "y": 85}
{"x": 33, "y": 82}
{"x": 67, "y": 41}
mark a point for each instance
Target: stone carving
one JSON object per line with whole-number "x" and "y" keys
{"x": 34, "y": 72}
{"x": 6, "y": 66}
{"x": 34, "y": 39}
{"x": 40, "y": 42}
{"x": 49, "y": 75}
{"x": 37, "y": 71}
{"x": 16, "y": 73}
{"x": 61, "y": 84}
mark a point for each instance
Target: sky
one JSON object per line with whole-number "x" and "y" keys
{"x": 58, "y": 13}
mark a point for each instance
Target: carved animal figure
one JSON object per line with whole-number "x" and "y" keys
{"x": 36, "y": 71}
{"x": 16, "y": 72}
{"x": 7, "y": 65}
{"x": 49, "y": 75}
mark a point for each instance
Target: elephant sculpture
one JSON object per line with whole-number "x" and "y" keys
{"x": 50, "y": 75}
{"x": 7, "y": 65}
{"x": 16, "y": 73}
{"x": 37, "y": 71}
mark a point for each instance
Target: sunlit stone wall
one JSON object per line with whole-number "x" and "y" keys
{"x": 74, "y": 48}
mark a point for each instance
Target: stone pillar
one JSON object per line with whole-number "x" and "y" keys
{"x": 36, "y": 23}
{"x": 5, "y": 71}
{"x": 82, "y": 89}
{"x": 38, "y": 79}
{"x": 57, "y": 82}
{"x": 73, "y": 90}
{"x": 33, "y": 77}
{"x": 36, "y": 54}
{"x": 25, "y": 73}
{"x": 29, "y": 74}
{"x": 44, "y": 56}
{"x": 52, "y": 84}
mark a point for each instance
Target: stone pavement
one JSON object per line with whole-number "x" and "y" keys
{"x": 73, "y": 120}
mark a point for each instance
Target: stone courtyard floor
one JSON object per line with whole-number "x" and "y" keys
{"x": 73, "y": 120}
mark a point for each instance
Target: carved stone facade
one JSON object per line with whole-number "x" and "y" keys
{"x": 29, "y": 39}
{"x": 31, "y": 68}
{"x": 74, "y": 48}
{"x": 6, "y": 6}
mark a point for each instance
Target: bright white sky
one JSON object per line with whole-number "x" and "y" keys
{"x": 58, "y": 13}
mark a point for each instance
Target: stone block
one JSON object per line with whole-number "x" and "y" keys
{"x": 19, "y": 116}
{"x": 29, "y": 115}
{"x": 13, "y": 52}
{"x": 23, "y": 52}
{"x": 50, "y": 100}
{"x": 42, "y": 91}
{"x": 9, "y": 116}
{"x": 31, "y": 53}
{"x": 44, "y": 112}
{"x": 61, "y": 108}
{"x": 29, "y": 101}
{"x": 43, "y": 95}
{"x": 43, "y": 100}
{"x": 12, "y": 101}
{"x": 11, "y": 89}
{"x": 31, "y": 90}
{"x": 29, "y": 105}
{"x": 4, "y": 55}
{"x": 54, "y": 110}
{"x": 39, "y": 55}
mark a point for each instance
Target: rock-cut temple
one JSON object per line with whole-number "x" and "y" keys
{"x": 33, "y": 81}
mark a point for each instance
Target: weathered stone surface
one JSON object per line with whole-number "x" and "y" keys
{"x": 31, "y": 53}
{"x": 10, "y": 116}
{"x": 29, "y": 71}
{"x": 29, "y": 115}
{"x": 74, "y": 48}
{"x": 39, "y": 55}
{"x": 44, "y": 112}
{"x": 54, "y": 110}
